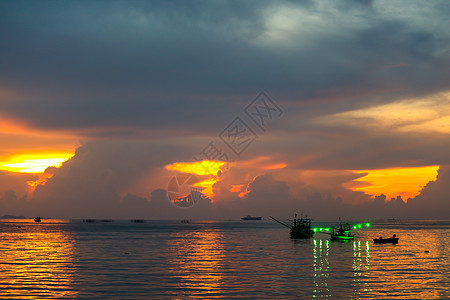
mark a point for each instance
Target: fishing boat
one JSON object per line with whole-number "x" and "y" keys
{"x": 300, "y": 229}
{"x": 37, "y": 219}
{"x": 250, "y": 218}
{"x": 391, "y": 240}
{"x": 342, "y": 233}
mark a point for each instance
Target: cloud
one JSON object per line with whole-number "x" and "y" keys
{"x": 420, "y": 115}
{"x": 15, "y": 181}
{"x": 125, "y": 180}
{"x": 13, "y": 204}
{"x": 94, "y": 182}
{"x": 131, "y": 66}
{"x": 433, "y": 201}
{"x": 265, "y": 196}
{"x": 146, "y": 84}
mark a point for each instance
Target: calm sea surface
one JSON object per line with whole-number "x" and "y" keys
{"x": 219, "y": 259}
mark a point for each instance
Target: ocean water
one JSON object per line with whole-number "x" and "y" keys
{"x": 59, "y": 259}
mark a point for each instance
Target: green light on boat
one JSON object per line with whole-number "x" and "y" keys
{"x": 368, "y": 224}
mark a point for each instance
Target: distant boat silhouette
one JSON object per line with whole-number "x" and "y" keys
{"x": 137, "y": 221}
{"x": 37, "y": 219}
{"x": 249, "y": 217}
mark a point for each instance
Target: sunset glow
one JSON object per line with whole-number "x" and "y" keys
{"x": 204, "y": 167}
{"x": 33, "y": 162}
{"x": 201, "y": 168}
{"x": 421, "y": 115}
{"x": 405, "y": 182}
{"x": 42, "y": 180}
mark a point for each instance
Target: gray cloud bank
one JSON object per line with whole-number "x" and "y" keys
{"x": 108, "y": 69}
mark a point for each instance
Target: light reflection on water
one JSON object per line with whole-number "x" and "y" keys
{"x": 197, "y": 262}
{"x": 321, "y": 266}
{"x": 36, "y": 262}
{"x": 167, "y": 259}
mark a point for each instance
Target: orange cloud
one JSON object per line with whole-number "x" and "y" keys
{"x": 263, "y": 163}
{"x": 274, "y": 166}
{"x": 236, "y": 188}
{"x": 239, "y": 188}
{"x": 43, "y": 177}
{"x": 406, "y": 182}
{"x": 430, "y": 114}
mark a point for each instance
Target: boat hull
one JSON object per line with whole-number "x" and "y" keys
{"x": 341, "y": 238}
{"x": 386, "y": 241}
{"x": 297, "y": 234}
{"x": 251, "y": 218}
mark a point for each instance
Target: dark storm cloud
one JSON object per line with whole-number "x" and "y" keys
{"x": 82, "y": 65}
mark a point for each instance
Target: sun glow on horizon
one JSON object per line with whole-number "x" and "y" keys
{"x": 35, "y": 162}
{"x": 405, "y": 182}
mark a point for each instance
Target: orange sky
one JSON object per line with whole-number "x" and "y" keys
{"x": 405, "y": 182}
{"x": 33, "y": 161}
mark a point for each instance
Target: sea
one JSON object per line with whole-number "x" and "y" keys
{"x": 72, "y": 259}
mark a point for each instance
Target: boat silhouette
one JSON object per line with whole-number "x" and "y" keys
{"x": 342, "y": 233}
{"x": 300, "y": 229}
{"x": 391, "y": 240}
{"x": 250, "y": 218}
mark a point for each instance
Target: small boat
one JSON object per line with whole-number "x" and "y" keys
{"x": 89, "y": 220}
{"x": 300, "y": 229}
{"x": 185, "y": 221}
{"x": 137, "y": 221}
{"x": 391, "y": 240}
{"x": 250, "y": 218}
{"x": 37, "y": 219}
{"x": 342, "y": 233}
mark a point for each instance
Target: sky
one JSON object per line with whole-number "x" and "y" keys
{"x": 219, "y": 109}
